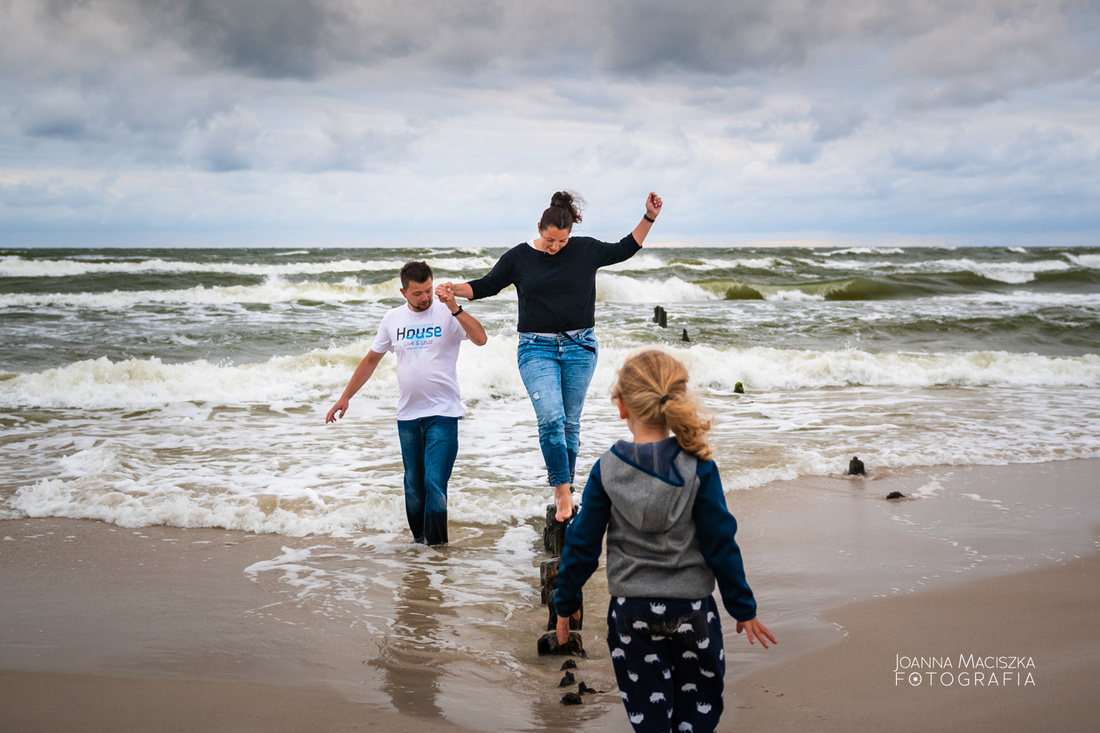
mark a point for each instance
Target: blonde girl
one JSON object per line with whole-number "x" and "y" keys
{"x": 670, "y": 538}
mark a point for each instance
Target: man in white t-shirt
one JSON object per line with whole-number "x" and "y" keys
{"x": 425, "y": 336}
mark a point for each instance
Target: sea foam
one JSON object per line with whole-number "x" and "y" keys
{"x": 490, "y": 372}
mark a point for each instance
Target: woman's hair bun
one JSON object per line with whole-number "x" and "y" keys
{"x": 564, "y": 199}
{"x": 564, "y": 211}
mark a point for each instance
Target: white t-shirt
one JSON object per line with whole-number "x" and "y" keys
{"x": 426, "y": 346}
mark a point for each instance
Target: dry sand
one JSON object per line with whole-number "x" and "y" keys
{"x": 113, "y": 629}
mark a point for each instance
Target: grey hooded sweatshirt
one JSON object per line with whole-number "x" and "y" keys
{"x": 652, "y": 543}
{"x": 669, "y": 532}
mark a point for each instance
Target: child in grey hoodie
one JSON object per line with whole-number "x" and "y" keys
{"x": 670, "y": 537}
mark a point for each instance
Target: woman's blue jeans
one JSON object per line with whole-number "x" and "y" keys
{"x": 556, "y": 371}
{"x": 429, "y": 446}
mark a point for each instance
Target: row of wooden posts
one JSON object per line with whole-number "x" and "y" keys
{"x": 553, "y": 540}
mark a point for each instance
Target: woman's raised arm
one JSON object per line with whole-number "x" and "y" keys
{"x": 653, "y": 205}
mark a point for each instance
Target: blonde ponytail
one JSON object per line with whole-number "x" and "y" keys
{"x": 653, "y": 386}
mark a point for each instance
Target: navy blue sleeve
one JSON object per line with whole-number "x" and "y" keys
{"x": 583, "y": 543}
{"x": 716, "y": 527}
{"x": 624, "y": 249}
{"x": 501, "y": 276}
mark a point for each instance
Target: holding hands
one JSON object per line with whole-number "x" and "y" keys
{"x": 446, "y": 294}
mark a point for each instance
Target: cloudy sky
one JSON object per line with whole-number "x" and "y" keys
{"x": 435, "y": 122}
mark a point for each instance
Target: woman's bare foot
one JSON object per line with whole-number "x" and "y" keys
{"x": 563, "y": 500}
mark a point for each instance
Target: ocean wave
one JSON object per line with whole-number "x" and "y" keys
{"x": 120, "y": 501}
{"x": 640, "y": 262}
{"x": 489, "y": 372}
{"x": 1013, "y": 273}
{"x": 849, "y": 265}
{"x": 274, "y": 289}
{"x": 1086, "y": 260}
{"x": 741, "y": 263}
{"x": 781, "y": 369}
{"x": 865, "y": 251}
{"x": 612, "y": 288}
{"x": 845, "y": 289}
{"x": 277, "y": 468}
{"x": 19, "y": 267}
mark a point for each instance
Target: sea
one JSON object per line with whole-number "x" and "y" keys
{"x": 188, "y": 387}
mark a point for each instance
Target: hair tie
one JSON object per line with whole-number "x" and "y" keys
{"x": 666, "y": 398}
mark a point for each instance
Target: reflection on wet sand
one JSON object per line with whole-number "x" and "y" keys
{"x": 409, "y": 656}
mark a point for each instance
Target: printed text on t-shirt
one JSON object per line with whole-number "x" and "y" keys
{"x": 419, "y": 333}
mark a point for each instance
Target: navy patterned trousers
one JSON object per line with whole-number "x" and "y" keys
{"x": 669, "y": 662}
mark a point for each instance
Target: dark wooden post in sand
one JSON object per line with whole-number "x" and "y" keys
{"x": 553, "y": 539}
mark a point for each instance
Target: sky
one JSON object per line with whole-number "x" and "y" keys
{"x": 452, "y": 122}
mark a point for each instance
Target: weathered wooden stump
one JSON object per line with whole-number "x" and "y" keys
{"x": 553, "y": 538}
{"x": 548, "y": 644}
{"x": 553, "y": 535}
{"x": 548, "y": 579}
{"x": 660, "y": 317}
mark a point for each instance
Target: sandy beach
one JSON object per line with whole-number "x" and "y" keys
{"x": 1012, "y": 653}
{"x": 159, "y": 628}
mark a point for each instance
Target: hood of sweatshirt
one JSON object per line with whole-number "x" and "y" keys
{"x": 651, "y": 485}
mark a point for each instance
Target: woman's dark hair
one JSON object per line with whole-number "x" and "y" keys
{"x": 563, "y": 213}
{"x": 415, "y": 272}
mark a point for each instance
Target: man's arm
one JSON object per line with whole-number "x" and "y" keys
{"x": 362, "y": 373}
{"x": 473, "y": 328}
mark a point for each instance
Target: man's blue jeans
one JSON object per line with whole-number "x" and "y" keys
{"x": 429, "y": 446}
{"x": 556, "y": 372}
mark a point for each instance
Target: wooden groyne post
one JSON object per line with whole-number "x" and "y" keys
{"x": 553, "y": 540}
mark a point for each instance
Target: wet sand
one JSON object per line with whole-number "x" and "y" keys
{"x": 1012, "y": 653}
{"x": 108, "y": 628}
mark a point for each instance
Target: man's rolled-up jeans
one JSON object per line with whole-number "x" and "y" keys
{"x": 429, "y": 446}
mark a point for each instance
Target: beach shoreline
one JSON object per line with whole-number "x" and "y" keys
{"x": 131, "y": 628}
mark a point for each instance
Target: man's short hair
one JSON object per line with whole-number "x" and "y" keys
{"x": 415, "y": 272}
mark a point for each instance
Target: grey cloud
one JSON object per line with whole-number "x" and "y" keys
{"x": 799, "y": 150}
{"x": 52, "y": 195}
{"x": 54, "y": 113}
{"x": 835, "y": 122}
{"x": 1017, "y": 41}
{"x": 268, "y": 38}
{"x": 306, "y": 39}
{"x": 227, "y": 142}
{"x": 979, "y": 152}
{"x": 135, "y": 119}
{"x": 351, "y": 147}
{"x": 983, "y": 52}
{"x": 652, "y": 37}
{"x": 802, "y": 136}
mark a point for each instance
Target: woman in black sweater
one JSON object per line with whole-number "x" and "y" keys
{"x": 555, "y": 278}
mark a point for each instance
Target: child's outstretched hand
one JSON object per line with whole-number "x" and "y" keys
{"x": 755, "y": 629}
